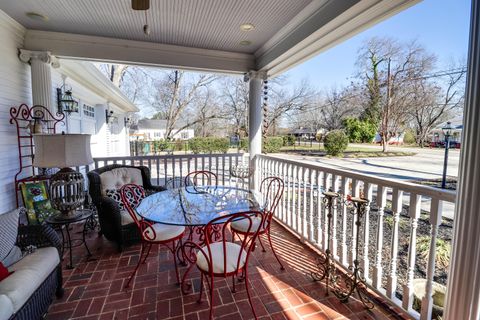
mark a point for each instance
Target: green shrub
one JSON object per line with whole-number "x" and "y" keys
{"x": 409, "y": 137}
{"x": 288, "y": 140}
{"x": 160, "y": 145}
{"x": 336, "y": 142}
{"x": 244, "y": 144}
{"x": 272, "y": 144}
{"x": 209, "y": 145}
{"x": 359, "y": 131}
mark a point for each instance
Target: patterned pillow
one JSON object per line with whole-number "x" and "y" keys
{"x": 117, "y": 197}
{"x": 8, "y": 232}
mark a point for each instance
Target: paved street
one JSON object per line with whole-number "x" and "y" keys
{"x": 426, "y": 164}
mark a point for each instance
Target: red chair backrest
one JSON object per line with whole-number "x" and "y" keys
{"x": 218, "y": 230}
{"x": 271, "y": 189}
{"x": 132, "y": 195}
{"x": 206, "y": 178}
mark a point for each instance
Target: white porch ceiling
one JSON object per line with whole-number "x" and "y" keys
{"x": 198, "y": 34}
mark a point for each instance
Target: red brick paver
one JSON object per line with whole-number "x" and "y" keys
{"x": 94, "y": 289}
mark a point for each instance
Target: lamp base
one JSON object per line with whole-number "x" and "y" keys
{"x": 67, "y": 192}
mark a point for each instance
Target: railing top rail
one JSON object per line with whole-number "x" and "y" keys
{"x": 444, "y": 195}
{"x": 169, "y": 156}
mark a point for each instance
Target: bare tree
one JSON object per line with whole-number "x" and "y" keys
{"x": 175, "y": 94}
{"x": 235, "y": 97}
{"x": 392, "y": 66}
{"x": 435, "y": 101}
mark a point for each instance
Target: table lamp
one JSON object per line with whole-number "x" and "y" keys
{"x": 64, "y": 151}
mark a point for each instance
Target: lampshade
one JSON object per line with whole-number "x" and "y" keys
{"x": 61, "y": 150}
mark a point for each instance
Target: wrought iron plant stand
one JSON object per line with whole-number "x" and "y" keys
{"x": 354, "y": 281}
{"x": 326, "y": 263}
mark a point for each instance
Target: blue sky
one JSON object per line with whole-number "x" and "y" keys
{"x": 441, "y": 26}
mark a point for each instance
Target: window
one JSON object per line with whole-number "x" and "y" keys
{"x": 88, "y": 111}
{"x": 157, "y": 134}
{"x": 184, "y": 135}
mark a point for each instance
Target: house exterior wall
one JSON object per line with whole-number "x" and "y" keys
{"x": 15, "y": 89}
{"x": 107, "y": 139}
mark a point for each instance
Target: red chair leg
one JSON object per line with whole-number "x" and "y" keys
{"x": 261, "y": 243}
{"x": 247, "y": 285}
{"x": 211, "y": 296}
{"x": 201, "y": 288}
{"x": 174, "y": 253}
{"x": 136, "y": 268}
{"x": 273, "y": 250}
{"x": 148, "y": 252}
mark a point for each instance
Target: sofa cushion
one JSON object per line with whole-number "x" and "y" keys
{"x": 8, "y": 232}
{"x": 126, "y": 218}
{"x": 115, "y": 194}
{"x": 14, "y": 255}
{"x": 6, "y": 307}
{"x": 116, "y": 178}
{"x": 29, "y": 274}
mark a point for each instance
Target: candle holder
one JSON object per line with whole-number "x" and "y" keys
{"x": 326, "y": 263}
{"x": 354, "y": 280}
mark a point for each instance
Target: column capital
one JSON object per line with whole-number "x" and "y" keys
{"x": 43, "y": 56}
{"x": 253, "y": 74}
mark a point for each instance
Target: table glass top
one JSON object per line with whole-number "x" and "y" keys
{"x": 193, "y": 206}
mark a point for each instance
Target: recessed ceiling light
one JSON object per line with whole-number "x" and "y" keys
{"x": 245, "y": 42}
{"x": 37, "y": 16}
{"x": 247, "y": 27}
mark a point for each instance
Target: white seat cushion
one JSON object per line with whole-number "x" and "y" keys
{"x": 243, "y": 225}
{"x": 29, "y": 274}
{"x": 6, "y": 307}
{"x": 233, "y": 252}
{"x": 117, "y": 178}
{"x": 163, "y": 232}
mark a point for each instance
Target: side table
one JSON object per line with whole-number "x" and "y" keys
{"x": 59, "y": 221}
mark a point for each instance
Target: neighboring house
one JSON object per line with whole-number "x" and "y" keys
{"x": 96, "y": 96}
{"x": 437, "y": 137}
{"x": 304, "y": 133}
{"x": 150, "y": 130}
{"x": 396, "y": 139}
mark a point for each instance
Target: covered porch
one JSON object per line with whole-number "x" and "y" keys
{"x": 93, "y": 288}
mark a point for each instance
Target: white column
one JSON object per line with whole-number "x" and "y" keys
{"x": 255, "y": 117}
{"x": 40, "y": 62}
{"x": 463, "y": 287}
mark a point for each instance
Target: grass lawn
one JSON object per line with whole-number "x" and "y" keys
{"x": 351, "y": 152}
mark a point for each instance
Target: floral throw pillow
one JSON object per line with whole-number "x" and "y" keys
{"x": 116, "y": 196}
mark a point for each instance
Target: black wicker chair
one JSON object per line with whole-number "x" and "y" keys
{"x": 37, "y": 305}
{"x": 108, "y": 210}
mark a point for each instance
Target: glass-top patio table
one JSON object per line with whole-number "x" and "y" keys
{"x": 195, "y": 206}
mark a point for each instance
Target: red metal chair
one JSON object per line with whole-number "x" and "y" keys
{"x": 271, "y": 189}
{"x": 221, "y": 256}
{"x": 152, "y": 233}
{"x": 207, "y": 178}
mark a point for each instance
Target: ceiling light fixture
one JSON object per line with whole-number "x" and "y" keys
{"x": 247, "y": 27}
{"x": 143, "y": 5}
{"x": 36, "y": 16}
{"x": 245, "y": 42}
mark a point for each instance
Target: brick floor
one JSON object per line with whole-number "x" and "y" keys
{"x": 94, "y": 289}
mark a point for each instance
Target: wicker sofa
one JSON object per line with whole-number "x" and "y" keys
{"x": 116, "y": 224}
{"x": 29, "y": 290}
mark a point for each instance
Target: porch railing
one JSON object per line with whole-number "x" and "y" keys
{"x": 171, "y": 169}
{"x": 395, "y": 205}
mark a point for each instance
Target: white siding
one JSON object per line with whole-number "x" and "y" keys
{"x": 15, "y": 89}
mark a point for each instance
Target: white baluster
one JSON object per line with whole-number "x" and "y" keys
{"x": 435, "y": 221}
{"x": 326, "y": 185}
{"x": 304, "y": 211}
{"x": 333, "y": 238}
{"x": 320, "y": 175}
{"x": 310, "y": 210}
{"x": 368, "y": 190}
{"x": 378, "y": 269}
{"x": 299, "y": 198}
{"x": 414, "y": 213}
{"x": 344, "y": 191}
{"x": 355, "y": 193}
{"x": 397, "y": 206}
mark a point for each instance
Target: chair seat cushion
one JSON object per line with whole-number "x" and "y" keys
{"x": 233, "y": 252}
{"x": 242, "y": 225}
{"x": 163, "y": 232}
{"x": 30, "y": 272}
{"x": 126, "y": 218}
{"x": 118, "y": 177}
{"x": 6, "y": 307}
